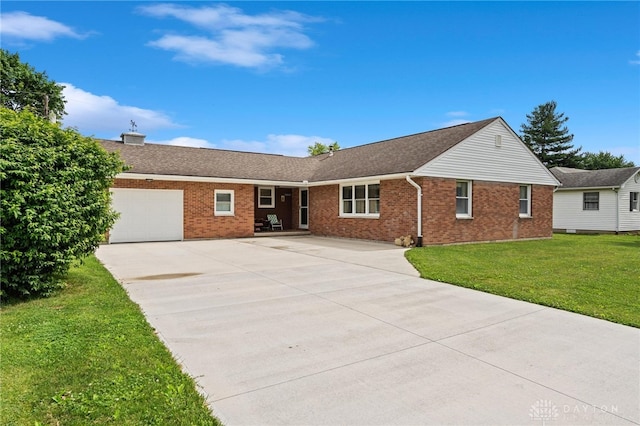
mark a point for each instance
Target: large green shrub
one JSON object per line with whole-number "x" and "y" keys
{"x": 55, "y": 202}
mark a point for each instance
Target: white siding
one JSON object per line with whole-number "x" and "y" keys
{"x": 629, "y": 221}
{"x": 478, "y": 158}
{"x": 568, "y": 211}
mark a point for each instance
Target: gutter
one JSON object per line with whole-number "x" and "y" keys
{"x": 419, "y": 189}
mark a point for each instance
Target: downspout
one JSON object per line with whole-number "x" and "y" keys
{"x": 419, "y": 189}
{"x": 615, "y": 191}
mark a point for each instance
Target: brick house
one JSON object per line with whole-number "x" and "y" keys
{"x": 467, "y": 183}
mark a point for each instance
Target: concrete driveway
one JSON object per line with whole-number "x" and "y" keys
{"x": 307, "y": 330}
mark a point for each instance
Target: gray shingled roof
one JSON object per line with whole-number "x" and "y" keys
{"x": 399, "y": 155}
{"x": 216, "y": 163}
{"x": 577, "y": 178}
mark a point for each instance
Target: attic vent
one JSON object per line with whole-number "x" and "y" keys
{"x": 133, "y": 138}
{"x": 498, "y": 140}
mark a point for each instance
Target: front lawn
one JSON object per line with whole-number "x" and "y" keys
{"x": 595, "y": 275}
{"x": 87, "y": 356}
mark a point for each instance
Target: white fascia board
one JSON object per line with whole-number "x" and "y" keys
{"x": 181, "y": 178}
{"x": 588, "y": 188}
{"x": 296, "y": 184}
{"x": 359, "y": 179}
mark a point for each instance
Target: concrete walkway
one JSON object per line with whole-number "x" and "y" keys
{"x": 307, "y": 330}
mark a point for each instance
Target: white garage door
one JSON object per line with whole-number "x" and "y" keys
{"x": 147, "y": 215}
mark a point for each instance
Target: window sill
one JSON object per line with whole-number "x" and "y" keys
{"x": 526, "y": 216}
{"x": 359, "y": 216}
{"x": 464, "y": 217}
{"x": 224, "y": 214}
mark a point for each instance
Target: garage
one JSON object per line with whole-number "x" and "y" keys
{"x": 147, "y": 215}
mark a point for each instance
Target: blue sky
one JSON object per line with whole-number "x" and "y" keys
{"x": 277, "y": 76}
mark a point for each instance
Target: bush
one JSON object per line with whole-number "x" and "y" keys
{"x": 55, "y": 202}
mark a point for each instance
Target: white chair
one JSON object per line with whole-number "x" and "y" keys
{"x": 275, "y": 223}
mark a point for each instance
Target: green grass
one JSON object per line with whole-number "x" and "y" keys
{"x": 595, "y": 275}
{"x": 87, "y": 356}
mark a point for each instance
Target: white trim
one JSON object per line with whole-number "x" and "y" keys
{"x": 588, "y": 188}
{"x": 352, "y": 181}
{"x": 300, "y": 207}
{"x": 181, "y": 178}
{"x": 272, "y": 204}
{"x": 291, "y": 184}
{"x": 365, "y": 215}
{"x": 528, "y": 213}
{"x": 469, "y": 199}
{"x": 637, "y": 203}
{"x": 215, "y": 202}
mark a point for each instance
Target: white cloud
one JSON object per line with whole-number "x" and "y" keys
{"x": 457, "y": 113}
{"x": 636, "y": 61}
{"x": 455, "y": 122}
{"x": 230, "y": 36}
{"x": 293, "y": 145}
{"x": 93, "y": 114}
{"x": 185, "y": 141}
{"x": 24, "y": 26}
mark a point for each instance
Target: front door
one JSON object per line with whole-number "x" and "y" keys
{"x": 304, "y": 208}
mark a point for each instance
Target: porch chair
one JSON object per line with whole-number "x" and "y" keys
{"x": 275, "y": 223}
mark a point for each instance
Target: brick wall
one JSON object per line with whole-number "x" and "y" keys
{"x": 397, "y": 213}
{"x": 198, "y": 217}
{"x": 495, "y": 213}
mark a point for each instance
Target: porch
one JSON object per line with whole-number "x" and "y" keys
{"x": 285, "y": 233}
{"x": 288, "y": 204}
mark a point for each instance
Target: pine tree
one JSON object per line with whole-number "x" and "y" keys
{"x": 549, "y": 139}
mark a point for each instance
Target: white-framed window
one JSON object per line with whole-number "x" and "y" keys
{"x": 634, "y": 201}
{"x": 223, "y": 202}
{"x": 590, "y": 201}
{"x": 463, "y": 198}
{"x": 525, "y": 200}
{"x": 266, "y": 197}
{"x": 362, "y": 199}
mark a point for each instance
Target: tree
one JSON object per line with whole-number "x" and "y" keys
{"x": 603, "y": 160}
{"x": 21, "y": 87}
{"x": 319, "y": 148}
{"x": 54, "y": 201}
{"x": 548, "y": 138}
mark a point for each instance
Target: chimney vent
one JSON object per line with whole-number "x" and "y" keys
{"x": 133, "y": 138}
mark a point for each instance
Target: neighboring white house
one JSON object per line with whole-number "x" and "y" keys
{"x": 597, "y": 200}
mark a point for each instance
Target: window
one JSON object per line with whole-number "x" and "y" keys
{"x": 463, "y": 198}
{"x": 634, "y": 203}
{"x": 360, "y": 200}
{"x": 266, "y": 197}
{"x": 590, "y": 201}
{"x": 525, "y": 200}
{"x": 223, "y": 202}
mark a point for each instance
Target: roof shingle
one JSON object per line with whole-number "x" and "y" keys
{"x": 578, "y": 178}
